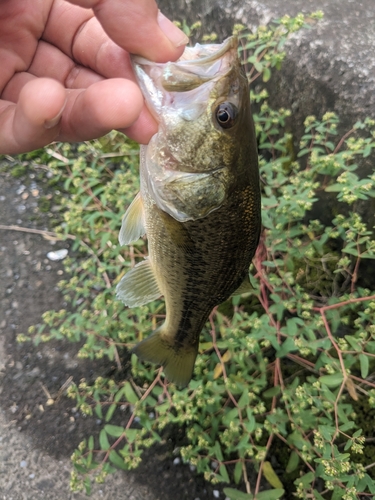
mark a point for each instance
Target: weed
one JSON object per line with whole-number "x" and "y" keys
{"x": 284, "y": 366}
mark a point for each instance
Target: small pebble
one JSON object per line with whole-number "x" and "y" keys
{"x": 176, "y": 461}
{"x": 31, "y": 476}
{"x": 57, "y": 254}
{"x": 21, "y": 208}
{"x": 216, "y": 493}
{"x": 23, "y": 463}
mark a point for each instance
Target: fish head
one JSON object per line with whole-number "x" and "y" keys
{"x": 201, "y": 101}
{"x": 205, "y": 138}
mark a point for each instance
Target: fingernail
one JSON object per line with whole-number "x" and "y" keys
{"x": 54, "y": 121}
{"x": 175, "y": 35}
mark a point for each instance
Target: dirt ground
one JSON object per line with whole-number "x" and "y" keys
{"x": 37, "y": 438}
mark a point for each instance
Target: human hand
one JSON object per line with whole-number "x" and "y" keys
{"x": 66, "y": 73}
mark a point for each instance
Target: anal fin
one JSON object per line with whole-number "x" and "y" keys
{"x": 132, "y": 227}
{"x": 138, "y": 286}
{"x": 245, "y": 287}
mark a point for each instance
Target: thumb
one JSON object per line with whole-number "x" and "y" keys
{"x": 138, "y": 27}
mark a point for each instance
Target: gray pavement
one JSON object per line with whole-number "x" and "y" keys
{"x": 27, "y": 473}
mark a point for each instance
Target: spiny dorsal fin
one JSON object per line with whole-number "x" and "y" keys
{"x": 138, "y": 286}
{"x": 132, "y": 227}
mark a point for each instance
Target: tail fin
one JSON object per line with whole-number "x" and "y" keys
{"x": 178, "y": 364}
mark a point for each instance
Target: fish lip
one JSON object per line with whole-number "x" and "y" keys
{"x": 228, "y": 44}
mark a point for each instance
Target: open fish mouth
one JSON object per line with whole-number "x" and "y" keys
{"x": 198, "y": 65}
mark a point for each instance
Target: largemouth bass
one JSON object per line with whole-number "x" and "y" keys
{"x": 199, "y": 201}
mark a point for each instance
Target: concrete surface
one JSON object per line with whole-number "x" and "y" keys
{"x": 330, "y": 67}
{"x": 27, "y": 473}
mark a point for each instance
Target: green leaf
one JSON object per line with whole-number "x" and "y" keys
{"x": 87, "y": 485}
{"x": 117, "y": 460}
{"x": 270, "y": 494}
{"x": 266, "y": 74}
{"x": 114, "y": 430}
{"x": 337, "y": 493}
{"x": 103, "y": 440}
{"x": 333, "y": 380}
{"x": 317, "y": 495}
{"x": 110, "y": 412}
{"x": 244, "y": 399}
{"x": 292, "y": 462}
{"x": 237, "y": 495}
{"x": 347, "y": 426}
{"x": 130, "y": 395}
{"x": 90, "y": 444}
{"x": 237, "y": 472}
{"x": 131, "y": 434}
{"x": 218, "y": 452}
{"x": 306, "y": 479}
{"x": 251, "y": 422}
{"x": 327, "y": 431}
{"x": 119, "y": 394}
{"x": 355, "y": 343}
{"x": 224, "y": 474}
{"x": 99, "y": 410}
{"x": 258, "y": 66}
{"x": 287, "y": 346}
{"x": 370, "y": 483}
{"x": 271, "y": 476}
{"x": 295, "y": 438}
{"x": 270, "y": 393}
{"x": 364, "y": 363}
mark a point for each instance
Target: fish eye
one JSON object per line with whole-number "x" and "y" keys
{"x": 226, "y": 114}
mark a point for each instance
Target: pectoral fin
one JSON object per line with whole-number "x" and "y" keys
{"x": 132, "y": 227}
{"x": 138, "y": 286}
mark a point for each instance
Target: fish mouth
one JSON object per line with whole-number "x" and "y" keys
{"x": 199, "y": 66}
{"x": 203, "y": 54}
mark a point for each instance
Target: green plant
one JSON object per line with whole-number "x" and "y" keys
{"x": 281, "y": 370}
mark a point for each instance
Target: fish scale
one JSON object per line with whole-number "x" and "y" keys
{"x": 202, "y": 231}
